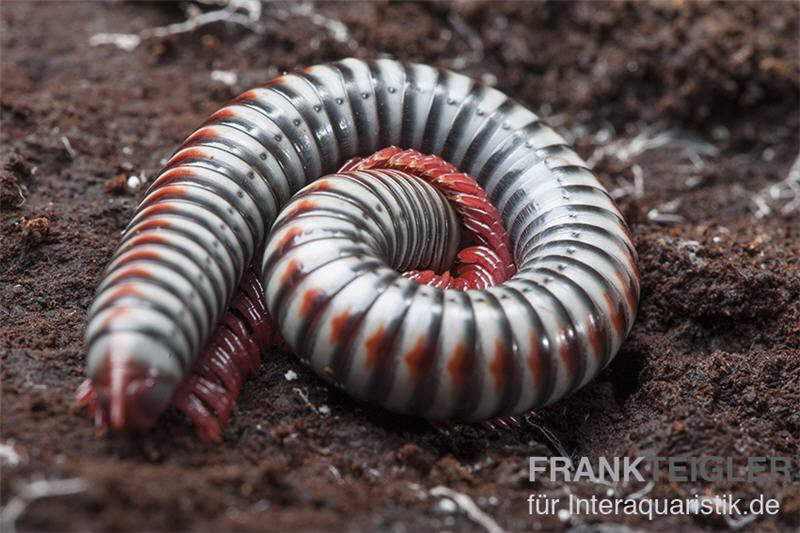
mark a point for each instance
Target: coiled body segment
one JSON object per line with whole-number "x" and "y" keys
{"x": 435, "y": 352}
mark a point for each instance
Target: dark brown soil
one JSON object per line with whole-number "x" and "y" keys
{"x": 712, "y": 366}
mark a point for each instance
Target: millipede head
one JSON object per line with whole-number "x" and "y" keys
{"x": 123, "y": 391}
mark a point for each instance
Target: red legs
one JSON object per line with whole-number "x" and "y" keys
{"x": 209, "y": 394}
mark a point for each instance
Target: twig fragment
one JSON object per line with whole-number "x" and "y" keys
{"x": 335, "y": 27}
{"x": 32, "y": 491}
{"x": 665, "y": 213}
{"x": 68, "y": 147}
{"x": 466, "y": 504}
{"x": 472, "y": 39}
{"x": 786, "y": 192}
{"x": 243, "y": 12}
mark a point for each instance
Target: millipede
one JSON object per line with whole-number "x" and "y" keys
{"x": 417, "y": 238}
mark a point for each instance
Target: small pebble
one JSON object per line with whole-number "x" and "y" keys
{"x": 446, "y": 506}
{"x": 134, "y": 182}
{"x": 226, "y": 77}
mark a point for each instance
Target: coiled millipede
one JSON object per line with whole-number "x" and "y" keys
{"x": 539, "y": 300}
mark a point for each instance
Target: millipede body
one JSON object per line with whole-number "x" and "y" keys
{"x": 358, "y": 262}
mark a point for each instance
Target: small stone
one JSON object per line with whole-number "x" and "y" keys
{"x": 446, "y": 506}
{"x": 134, "y": 183}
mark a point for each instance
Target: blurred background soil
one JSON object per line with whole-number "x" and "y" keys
{"x": 689, "y": 113}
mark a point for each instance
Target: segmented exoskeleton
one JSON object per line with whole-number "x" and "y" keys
{"x": 328, "y": 264}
